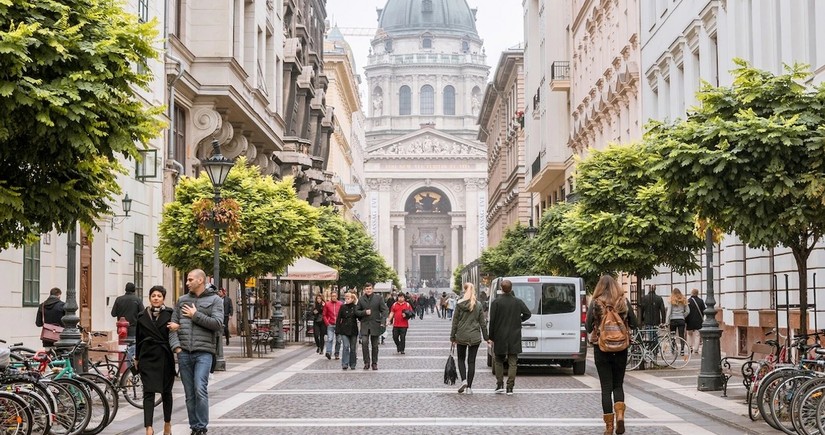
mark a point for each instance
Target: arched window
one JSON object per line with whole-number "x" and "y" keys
{"x": 427, "y": 42}
{"x": 405, "y": 101}
{"x": 427, "y": 100}
{"x": 449, "y": 100}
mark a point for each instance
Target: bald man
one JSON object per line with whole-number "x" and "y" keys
{"x": 195, "y": 327}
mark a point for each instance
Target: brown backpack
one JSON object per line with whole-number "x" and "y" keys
{"x": 613, "y": 332}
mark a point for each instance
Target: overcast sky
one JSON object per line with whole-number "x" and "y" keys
{"x": 499, "y": 22}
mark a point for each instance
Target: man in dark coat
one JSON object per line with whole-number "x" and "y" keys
{"x": 128, "y": 306}
{"x": 228, "y": 310}
{"x": 653, "y": 308}
{"x": 372, "y": 311}
{"x": 506, "y": 314}
{"x": 51, "y": 311}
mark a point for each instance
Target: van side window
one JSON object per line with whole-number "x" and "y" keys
{"x": 528, "y": 294}
{"x": 558, "y": 298}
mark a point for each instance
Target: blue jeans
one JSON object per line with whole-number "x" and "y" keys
{"x": 194, "y": 374}
{"x": 331, "y": 335}
{"x": 349, "y": 358}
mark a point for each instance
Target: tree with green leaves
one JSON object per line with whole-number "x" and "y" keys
{"x": 751, "y": 159}
{"x": 623, "y": 221}
{"x": 457, "y": 284}
{"x": 267, "y": 227}
{"x": 333, "y": 240}
{"x": 67, "y": 80}
{"x": 362, "y": 262}
{"x": 512, "y": 256}
{"x": 547, "y": 252}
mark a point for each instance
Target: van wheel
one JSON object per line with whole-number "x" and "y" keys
{"x": 578, "y": 368}
{"x": 489, "y": 360}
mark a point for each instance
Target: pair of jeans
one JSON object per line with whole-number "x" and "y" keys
{"x": 194, "y": 375}
{"x": 332, "y": 336}
{"x": 611, "y": 367}
{"x": 469, "y": 352}
{"x": 149, "y": 407}
{"x": 399, "y": 336}
{"x": 498, "y": 366}
{"x": 366, "y": 340}
{"x": 348, "y": 356}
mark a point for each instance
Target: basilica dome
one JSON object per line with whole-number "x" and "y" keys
{"x": 413, "y": 16}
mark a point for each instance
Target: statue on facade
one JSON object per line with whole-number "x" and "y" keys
{"x": 476, "y": 105}
{"x": 377, "y": 105}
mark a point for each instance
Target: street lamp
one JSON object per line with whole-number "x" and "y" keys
{"x": 276, "y": 322}
{"x": 531, "y": 230}
{"x": 710, "y": 378}
{"x": 217, "y": 167}
{"x": 126, "y": 203}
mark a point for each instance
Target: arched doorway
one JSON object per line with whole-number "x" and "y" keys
{"x": 427, "y": 221}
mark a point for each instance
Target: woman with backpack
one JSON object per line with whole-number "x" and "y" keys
{"x": 469, "y": 328}
{"x": 609, "y": 298}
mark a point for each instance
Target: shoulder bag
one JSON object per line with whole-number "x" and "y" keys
{"x": 50, "y": 331}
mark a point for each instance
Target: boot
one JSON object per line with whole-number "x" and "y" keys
{"x": 608, "y": 424}
{"x": 619, "y": 408}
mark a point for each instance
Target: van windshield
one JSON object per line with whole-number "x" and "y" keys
{"x": 547, "y": 298}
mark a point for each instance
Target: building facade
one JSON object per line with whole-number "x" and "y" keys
{"x": 502, "y": 129}
{"x": 684, "y": 43}
{"x": 426, "y": 172}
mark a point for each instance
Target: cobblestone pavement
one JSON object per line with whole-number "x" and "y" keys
{"x": 295, "y": 391}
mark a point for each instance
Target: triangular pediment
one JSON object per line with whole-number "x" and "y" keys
{"x": 427, "y": 143}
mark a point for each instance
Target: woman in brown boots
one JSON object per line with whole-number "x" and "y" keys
{"x": 610, "y": 365}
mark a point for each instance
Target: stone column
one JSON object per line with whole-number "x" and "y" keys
{"x": 401, "y": 251}
{"x": 453, "y": 247}
{"x": 384, "y": 226}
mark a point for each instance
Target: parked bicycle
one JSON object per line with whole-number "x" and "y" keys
{"x": 657, "y": 346}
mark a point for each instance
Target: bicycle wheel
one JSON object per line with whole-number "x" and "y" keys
{"x": 758, "y": 376}
{"x": 804, "y": 407}
{"x": 39, "y": 407}
{"x": 678, "y": 346}
{"x": 132, "y": 388}
{"x": 15, "y": 415}
{"x": 110, "y": 391}
{"x": 635, "y": 355}
{"x": 780, "y": 403}
{"x": 65, "y": 411}
{"x": 83, "y": 404}
{"x": 766, "y": 390}
{"x": 667, "y": 352}
{"x": 99, "y": 418}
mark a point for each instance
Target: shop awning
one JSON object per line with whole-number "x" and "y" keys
{"x": 305, "y": 269}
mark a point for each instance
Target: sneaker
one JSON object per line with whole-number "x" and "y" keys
{"x": 509, "y": 391}
{"x": 344, "y": 368}
{"x": 352, "y": 367}
{"x": 468, "y": 391}
{"x": 328, "y": 355}
{"x": 462, "y": 387}
{"x": 499, "y": 389}
{"x": 375, "y": 366}
{"x": 366, "y": 366}
{"x": 337, "y": 357}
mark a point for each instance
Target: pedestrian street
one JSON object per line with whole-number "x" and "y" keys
{"x": 296, "y": 391}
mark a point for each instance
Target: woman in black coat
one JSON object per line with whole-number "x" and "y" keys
{"x": 347, "y": 326}
{"x": 154, "y": 359}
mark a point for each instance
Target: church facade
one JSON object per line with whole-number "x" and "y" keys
{"x": 426, "y": 171}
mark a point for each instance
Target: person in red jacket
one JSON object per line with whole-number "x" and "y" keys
{"x": 331, "y": 309}
{"x": 400, "y": 321}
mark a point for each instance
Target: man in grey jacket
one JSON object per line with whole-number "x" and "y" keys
{"x": 196, "y": 322}
{"x": 372, "y": 311}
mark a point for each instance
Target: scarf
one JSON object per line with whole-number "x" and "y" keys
{"x": 155, "y": 311}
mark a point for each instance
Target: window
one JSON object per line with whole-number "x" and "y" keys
{"x": 427, "y": 43}
{"x": 449, "y": 100}
{"x": 427, "y": 100}
{"x": 138, "y": 279}
{"x": 405, "y": 101}
{"x": 558, "y": 298}
{"x": 31, "y": 275}
{"x": 427, "y": 6}
{"x": 146, "y": 166}
{"x": 388, "y": 46}
{"x": 180, "y": 134}
{"x": 465, "y": 47}
{"x": 143, "y": 11}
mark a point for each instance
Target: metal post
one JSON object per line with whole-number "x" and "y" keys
{"x": 710, "y": 374}
{"x": 220, "y": 363}
{"x": 816, "y": 324}
{"x": 276, "y": 323}
{"x": 788, "y": 309}
{"x": 71, "y": 334}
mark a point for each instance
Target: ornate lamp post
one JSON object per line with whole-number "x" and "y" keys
{"x": 531, "y": 230}
{"x": 710, "y": 372}
{"x": 276, "y": 322}
{"x": 217, "y": 167}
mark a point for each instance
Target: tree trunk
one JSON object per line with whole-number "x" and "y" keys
{"x": 640, "y": 293}
{"x": 245, "y": 319}
{"x": 801, "y": 256}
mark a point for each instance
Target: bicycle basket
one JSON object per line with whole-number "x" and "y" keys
{"x": 5, "y": 358}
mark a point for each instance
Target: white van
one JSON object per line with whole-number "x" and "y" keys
{"x": 555, "y": 333}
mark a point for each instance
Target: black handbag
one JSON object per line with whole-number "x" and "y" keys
{"x": 450, "y": 373}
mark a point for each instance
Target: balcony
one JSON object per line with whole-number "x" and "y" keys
{"x": 560, "y": 76}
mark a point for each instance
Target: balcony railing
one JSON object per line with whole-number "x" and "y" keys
{"x": 427, "y": 58}
{"x": 560, "y": 76}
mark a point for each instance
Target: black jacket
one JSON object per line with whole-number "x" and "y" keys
{"x": 506, "y": 314}
{"x": 697, "y": 313}
{"x": 653, "y": 310}
{"x": 228, "y": 309}
{"x": 371, "y": 324}
{"x": 347, "y": 322}
{"x": 128, "y": 306}
{"x": 54, "y": 312}
{"x": 155, "y": 361}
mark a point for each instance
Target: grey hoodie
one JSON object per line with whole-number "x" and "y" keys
{"x": 199, "y": 332}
